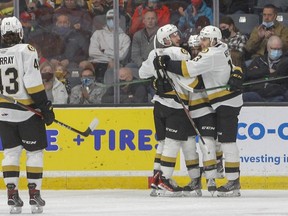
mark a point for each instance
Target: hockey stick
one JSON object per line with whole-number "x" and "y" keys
{"x": 227, "y": 86}
{"x": 180, "y": 100}
{"x": 85, "y": 133}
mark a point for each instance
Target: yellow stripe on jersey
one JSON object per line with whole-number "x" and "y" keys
{"x": 35, "y": 89}
{"x": 219, "y": 94}
{"x": 191, "y": 162}
{"x": 182, "y": 96}
{"x": 34, "y": 169}
{"x": 168, "y": 159}
{"x": 209, "y": 163}
{"x": 232, "y": 165}
{"x": 198, "y": 101}
{"x": 194, "y": 83}
{"x": 10, "y": 168}
{"x": 184, "y": 69}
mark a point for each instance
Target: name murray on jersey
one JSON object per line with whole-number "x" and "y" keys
{"x": 7, "y": 60}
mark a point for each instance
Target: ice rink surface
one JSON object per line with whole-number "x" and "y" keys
{"x": 139, "y": 203}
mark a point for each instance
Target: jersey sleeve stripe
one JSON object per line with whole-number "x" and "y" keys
{"x": 35, "y": 89}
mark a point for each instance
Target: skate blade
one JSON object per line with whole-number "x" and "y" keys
{"x": 234, "y": 193}
{"x": 167, "y": 193}
{"x": 195, "y": 193}
{"x": 154, "y": 193}
{"x": 35, "y": 209}
{"x": 15, "y": 210}
{"x": 212, "y": 190}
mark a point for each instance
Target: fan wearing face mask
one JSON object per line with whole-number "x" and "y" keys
{"x": 101, "y": 49}
{"x": 267, "y": 66}
{"x": 89, "y": 92}
{"x": 256, "y": 45}
{"x": 234, "y": 39}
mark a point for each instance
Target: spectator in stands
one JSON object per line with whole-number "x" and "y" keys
{"x": 86, "y": 64}
{"x": 142, "y": 42}
{"x": 97, "y": 7}
{"x": 62, "y": 74}
{"x": 129, "y": 93}
{"x": 36, "y": 19}
{"x": 75, "y": 44}
{"x": 55, "y": 90}
{"x": 269, "y": 65}
{"x": 256, "y": 45}
{"x": 196, "y": 9}
{"x": 235, "y": 40}
{"x": 89, "y": 92}
{"x": 7, "y": 7}
{"x": 79, "y": 17}
{"x": 163, "y": 15}
{"x": 101, "y": 49}
{"x": 201, "y": 22}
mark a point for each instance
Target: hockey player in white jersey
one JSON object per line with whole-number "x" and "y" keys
{"x": 169, "y": 114}
{"x": 170, "y": 120}
{"x": 19, "y": 128}
{"x": 204, "y": 116}
{"x": 194, "y": 44}
{"x": 215, "y": 65}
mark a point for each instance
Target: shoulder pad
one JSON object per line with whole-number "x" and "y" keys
{"x": 31, "y": 48}
{"x": 205, "y": 50}
{"x": 184, "y": 51}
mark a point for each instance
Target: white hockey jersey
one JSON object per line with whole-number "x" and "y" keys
{"x": 214, "y": 64}
{"x": 147, "y": 70}
{"x": 20, "y": 76}
{"x": 198, "y": 102}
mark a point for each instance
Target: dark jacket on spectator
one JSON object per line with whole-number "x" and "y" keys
{"x": 130, "y": 93}
{"x": 259, "y": 69}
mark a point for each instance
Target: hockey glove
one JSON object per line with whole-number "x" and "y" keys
{"x": 47, "y": 112}
{"x": 161, "y": 86}
{"x": 236, "y": 79}
{"x": 160, "y": 62}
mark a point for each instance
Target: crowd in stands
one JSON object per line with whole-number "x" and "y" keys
{"x": 75, "y": 43}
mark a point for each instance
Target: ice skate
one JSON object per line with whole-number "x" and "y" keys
{"x": 211, "y": 186}
{"x": 35, "y": 201}
{"x": 220, "y": 170}
{"x": 193, "y": 188}
{"x": 168, "y": 187}
{"x": 155, "y": 182}
{"x": 14, "y": 201}
{"x": 231, "y": 189}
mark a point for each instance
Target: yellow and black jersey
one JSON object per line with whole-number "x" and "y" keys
{"x": 20, "y": 78}
{"x": 214, "y": 64}
{"x": 147, "y": 70}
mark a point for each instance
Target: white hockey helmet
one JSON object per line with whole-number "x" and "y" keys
{"x": 194, "y": 41}
{"x": 11, "y": 30}
{"x": 164, "y": 32}
{"x": 211, "y": 32}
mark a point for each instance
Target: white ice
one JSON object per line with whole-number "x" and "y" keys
{"x": 139, "y": 203}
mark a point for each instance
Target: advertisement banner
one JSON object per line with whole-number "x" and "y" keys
{"x": 123, "y": 145}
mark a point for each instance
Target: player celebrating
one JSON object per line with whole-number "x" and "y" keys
{"x": 170, "y": 120}
{"x": 22, "y": 129}
{"x": 215, "y": 65}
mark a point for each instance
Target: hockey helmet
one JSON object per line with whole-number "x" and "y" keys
{"x": 11, "y": 31}
{"x": 194, "y": 41}
{"x": 211, "y": 32}
{"x": 164, "y": 32}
